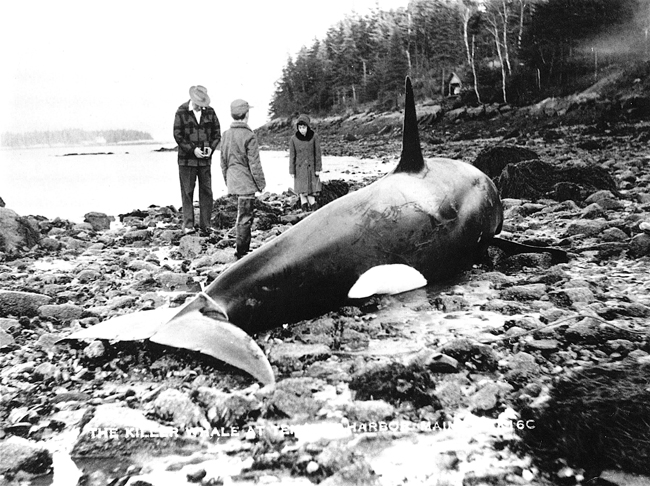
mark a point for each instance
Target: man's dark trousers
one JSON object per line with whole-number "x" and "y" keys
{"x": 188, "y": 176}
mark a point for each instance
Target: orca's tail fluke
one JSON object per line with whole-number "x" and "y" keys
{"x": 200, "y": 325}
{"x": 411, "y": 160}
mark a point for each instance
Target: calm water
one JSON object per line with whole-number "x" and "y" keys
{"x": 42, "y": 181}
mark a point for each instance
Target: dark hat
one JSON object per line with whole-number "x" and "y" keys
{"x": 199, "y": 96}
{"x": 239, "y": 107}
{"x": 303, "y": 120}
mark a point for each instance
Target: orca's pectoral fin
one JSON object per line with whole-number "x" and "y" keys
{"x": 512, "y": 248}
{"x": 217, "y": 338}
{"x": 387, "y": 279}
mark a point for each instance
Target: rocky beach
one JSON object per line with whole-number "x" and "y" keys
{"x": 523, "y": 370}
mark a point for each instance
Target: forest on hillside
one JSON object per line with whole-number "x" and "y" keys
{"x": 485, "y": 51}
{"x": 70, "y": 137}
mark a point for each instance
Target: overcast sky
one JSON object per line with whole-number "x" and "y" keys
{"x": 129, "y": 64}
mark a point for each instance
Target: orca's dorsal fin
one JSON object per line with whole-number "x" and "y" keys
{"x": 411, "y": 159}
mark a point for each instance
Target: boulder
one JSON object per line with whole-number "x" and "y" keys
{"x": 16, "y": 232}
{"x": 99, "y": 221}
{"x": 640, "y": 245}
{"x": 176, "y": 406}
{"x": 493, "y": 160}
{"x": 61, "y": 312}
{"x": 18, "y": 454}
{"x": 534, "y": 179}
{"x": 18, "y": 304}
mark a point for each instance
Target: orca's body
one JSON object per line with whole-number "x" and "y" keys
{"x": 421, "y": 223}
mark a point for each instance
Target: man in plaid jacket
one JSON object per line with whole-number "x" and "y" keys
{"x": 197, "y": 133}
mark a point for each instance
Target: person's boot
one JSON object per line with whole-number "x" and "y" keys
{"x": 314, "y": 206}
{"x": 304, "y": 207}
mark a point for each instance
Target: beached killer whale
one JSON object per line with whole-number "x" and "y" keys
{"x": 423, "y": 222}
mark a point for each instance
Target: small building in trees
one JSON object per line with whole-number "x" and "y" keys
{"x": 454, "y": 85}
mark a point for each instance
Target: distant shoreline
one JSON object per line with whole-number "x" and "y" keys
{"x": 92, "y": 145}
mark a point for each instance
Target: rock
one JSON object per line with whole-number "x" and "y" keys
{"x": 587, "y": 228}
{"x": 370, "y": 411}
{"x": 450, "y": 393}
{"x": 70, "y": 243}
{"x": 640, "y": 245}
{"x": 50, "y": 244}
{"x": 177, "y": 282}
{"x": 88, "y": 275}
{"x": 524, "y": 292}
{"x": 20, "y": 304}
{"x": 522, "y": 368}
{"x": 219, "y": 404}
{"x": 196, "y": 476}
{"x": 82, "y": 229}
{"x": 94, "y": 350}
{"x": 517, "y": 263}
{"x": 98, "y": 221}
{"x": 115, "y": 429}
{"x": 441, "y": 363}
{"x": 16, "y": 232}
{"x": 295, "y": 397}
{"x": 46, "y": 371}
{"x": 449, "y": 303}
{"x": 290, "y": 357}
{"x": 169, "y": 235}
{"x": 476, "y": 112}
{"x": 479, "y": 356}
{"x": 6, "y": 339}
{"x": 191, "y": 246}
{"x": 567, "y": 191}
{"x": 136, "y": 235}
{"x": 587, "y": 331}
{"x": 571, "y": 296}
{"x": 177, "y": 407}
{"x": 351, "y": 468}
{"x": 535, "y": 179}
{"x": 543, "y": 345}
{"x": 486, "y": 398}
{"x": 614, "y": 234}
{"x": 7, "y": 324}
{"x": 48, "y": 341}
{"x": 593, "y": 211}
{"x": 598, "y": 196}
{"x": 456, "y": 114}
{"x": 621, "y": 346}
{"x": 62, "y": 312}
{"x": 18, "y": 454}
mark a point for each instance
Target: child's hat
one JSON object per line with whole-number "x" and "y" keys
{"x": 239, "y": 107}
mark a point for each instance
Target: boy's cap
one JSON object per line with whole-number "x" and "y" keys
{"x": 239, "y": 107}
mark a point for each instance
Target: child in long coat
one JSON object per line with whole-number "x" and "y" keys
{"x": 305, "y": 163}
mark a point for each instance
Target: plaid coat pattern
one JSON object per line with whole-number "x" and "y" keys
{"x": 190, "y": 134}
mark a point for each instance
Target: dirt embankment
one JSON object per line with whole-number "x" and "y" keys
{"x": 621, "y": 97}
